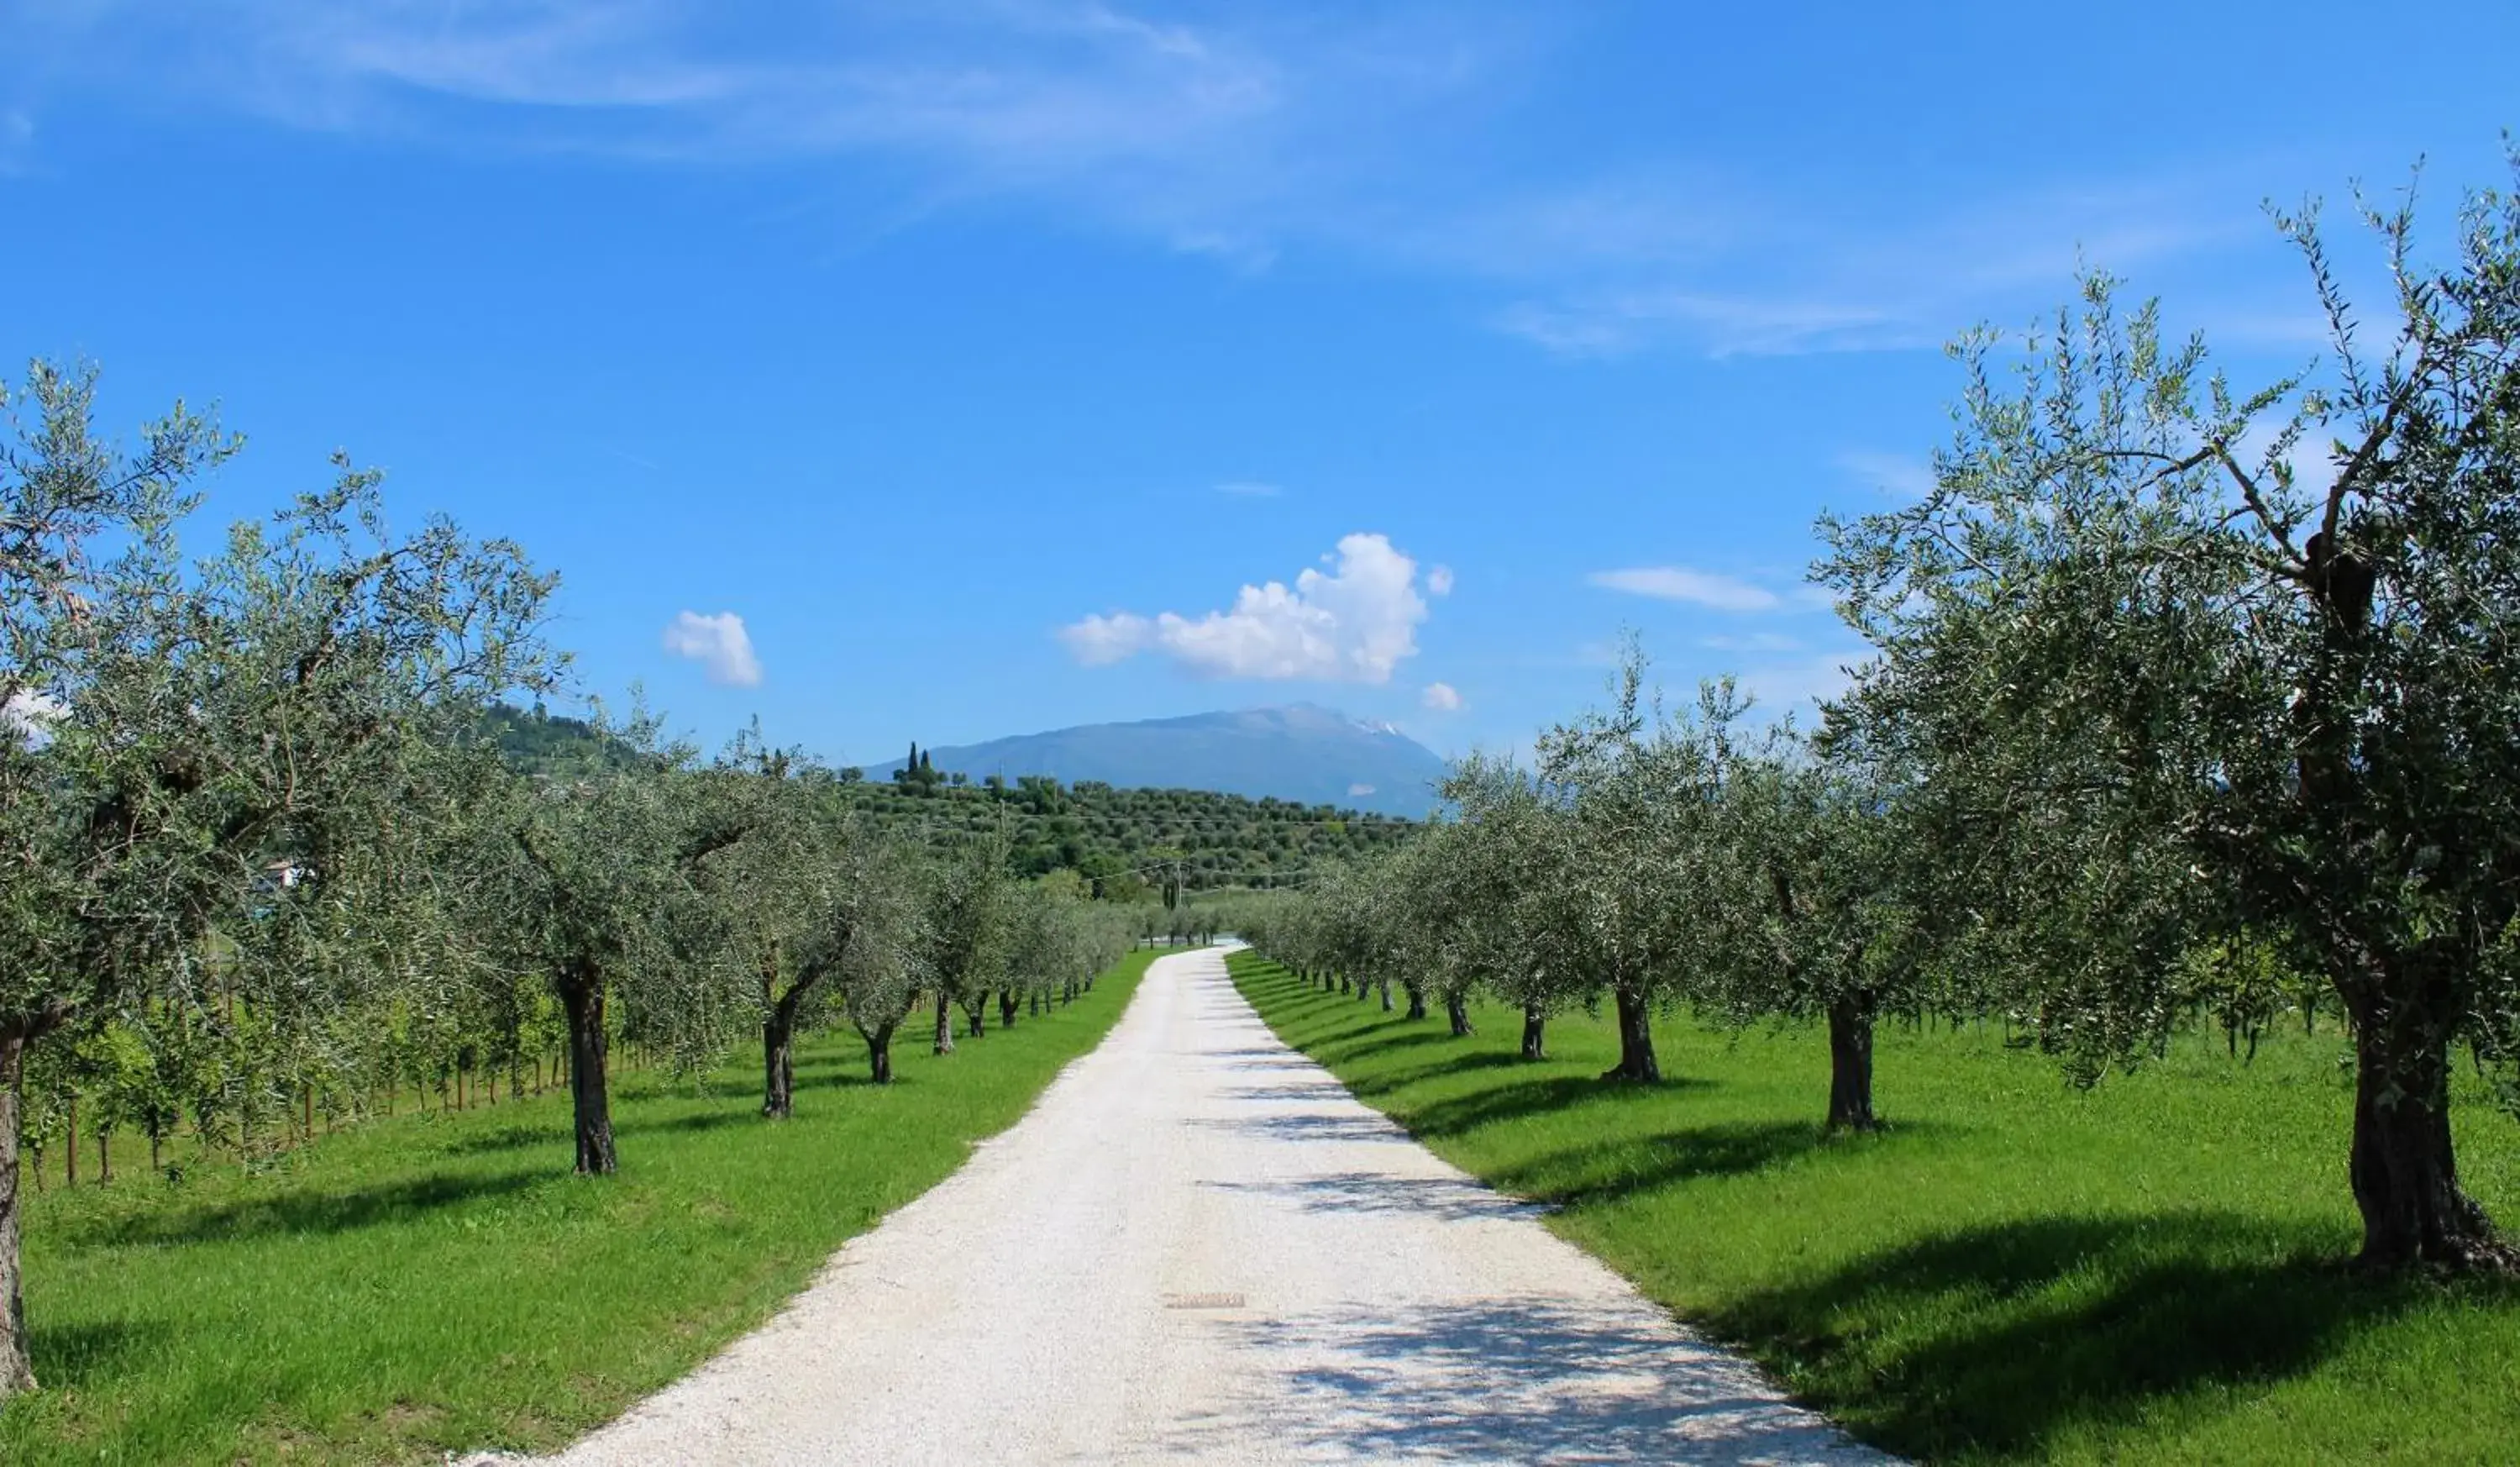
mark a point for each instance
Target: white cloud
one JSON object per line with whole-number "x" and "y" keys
{"x": 719, "y": 644}
{"x": 1098, "y": 641}
{"x": 1442, "y": 696}
{"x": 1244, "y": 488}
{"x": 1439, "y": 581}
{"x": 1723, "y": 593}
{"x": 29, "y": 717}
{"x": 1892, "y": 474}
{"x": 1353, "y": 623}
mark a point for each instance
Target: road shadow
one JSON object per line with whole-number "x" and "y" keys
{"x": 1307, "y": 1125}
{"x": 1501, "y": 1381}
{"x": 1448, "y": 1199}
{"x": 1306, "y": 1090}
{"x": 1994, "y": 1340}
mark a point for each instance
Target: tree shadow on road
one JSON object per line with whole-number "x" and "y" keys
{"x": 1505, "y": 1381}
{"x": 1448, "y": 1199}
{"x": 1308, "y": 1125}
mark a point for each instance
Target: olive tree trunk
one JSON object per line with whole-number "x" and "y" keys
{"x": 1850, "y": 1064}
{"x": 581, "y": 995}
{"x": 944, "y": 1022}
{"x": 17, "y": 1370}
{"x": 879, "y": 1043}
{"x": 1417, "y": 1000}
{"x": 1457, "y": 1009}
{"x": 1637, "y": 1062}
{"x": 1535, "y": 1032}
{"x": 1007, "y": 1005}
{"x": 2404, "y": 1170}
{"x": 779, "y": 1062}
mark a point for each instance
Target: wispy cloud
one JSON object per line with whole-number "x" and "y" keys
{"x": 1241, "y": 134}
{"x": 1707, "y": 589}
{"x": 1893, "y": 473}
{"x": 1441, "y": 696}
{"x": 1747, "y": 324}
{"x": 1355, "y": 623}
{"x": 719, "y": 643}
{"x": 1249, "y": 488}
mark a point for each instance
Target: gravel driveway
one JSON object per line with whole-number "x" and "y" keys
{"x": 1198, "y": 1247}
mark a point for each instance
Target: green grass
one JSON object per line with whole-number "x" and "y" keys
{"x": 442, "y": 1282}
{"x": 2016, "y": 1272}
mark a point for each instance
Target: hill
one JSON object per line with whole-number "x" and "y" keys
{"x": 1302, "y": 752}
{"x": 1124, "y": 840}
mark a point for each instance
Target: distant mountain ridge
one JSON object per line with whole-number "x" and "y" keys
{"x": 1301, "y": 752}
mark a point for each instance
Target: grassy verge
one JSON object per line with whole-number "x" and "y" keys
{"x": 442, "y": 1282}
{"x": 2016, "y": 1272}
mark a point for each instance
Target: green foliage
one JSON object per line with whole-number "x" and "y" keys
{"x": 2151, "y": 689}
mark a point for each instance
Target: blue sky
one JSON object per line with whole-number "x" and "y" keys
{"x": 1000, "y": 364}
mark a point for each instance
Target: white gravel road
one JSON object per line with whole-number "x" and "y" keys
{"x": 1198, "y": 1247}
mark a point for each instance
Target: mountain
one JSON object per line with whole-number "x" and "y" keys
{"x": 1303, "y": 752}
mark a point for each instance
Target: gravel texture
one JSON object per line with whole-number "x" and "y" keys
{"x": 1198, "y": 1247}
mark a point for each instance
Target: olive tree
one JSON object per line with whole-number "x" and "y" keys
{"x": 1809, "y": 917}
{"x": 598, "y": 867}
{"x": 963, "y": 918}
{"x": 1517, "y": 887}
{"x": 2157, "y": 679}
{"x": 183, "y": 731}
{"x": 1635, "y": 792}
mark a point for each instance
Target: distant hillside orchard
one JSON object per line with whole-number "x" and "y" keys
{"x": 1125, "y": 841}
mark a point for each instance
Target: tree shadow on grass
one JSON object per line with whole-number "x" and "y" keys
{"x": 308, "y": 1210}
{"x": 1623, "y": 1166}
{"x": 739, "y": 1111}
{"x": 1534, "y": 1097}
{"x": 1460, "y": 1064}
{"x": 515, "y": 1137}
{"x": 845, "y": 1078}
{"x": 1381, "y": 1041}
{"x": 67, "y": 1356}
{"x": 747, "y": 1113}
{"x": 1994, "y": 1340}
